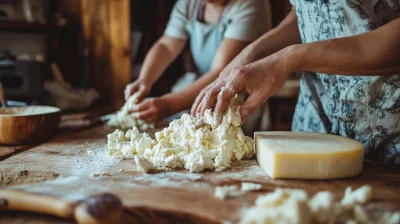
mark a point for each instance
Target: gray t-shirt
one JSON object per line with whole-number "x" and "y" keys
{"x": 241, "y": 19}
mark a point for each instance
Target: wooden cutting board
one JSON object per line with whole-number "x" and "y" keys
{"x": 63, "y": 168}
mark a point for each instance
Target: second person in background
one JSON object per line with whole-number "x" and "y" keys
{"x": 217, "y": 30}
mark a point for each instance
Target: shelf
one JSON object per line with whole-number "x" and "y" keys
{"x": 25, "y": 27}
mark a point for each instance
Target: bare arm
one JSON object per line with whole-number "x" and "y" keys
{"x": 373, "y": 53}
{"x": 181, "y": 100}
{"x": 159, "y": 57}
{"x": 286, "y": 34}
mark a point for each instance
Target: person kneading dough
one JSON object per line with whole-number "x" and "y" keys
{"x": 216, "y": 30}
{"x": 349, "y": 54}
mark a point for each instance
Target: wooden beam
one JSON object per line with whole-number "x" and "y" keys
{"x": 106, "y": 30}
{"x": 120, "y": 53}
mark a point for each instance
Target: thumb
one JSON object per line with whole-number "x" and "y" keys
{"x": 249, "y": 106}
{"x": 196, "y": 103}
{"x": 141, "y": 93}
{"x": 131, "y": 88}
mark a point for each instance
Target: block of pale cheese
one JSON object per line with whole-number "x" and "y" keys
{"x": 306, "y": 155}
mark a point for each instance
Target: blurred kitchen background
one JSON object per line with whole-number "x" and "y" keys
{"x": 80, "y": 54}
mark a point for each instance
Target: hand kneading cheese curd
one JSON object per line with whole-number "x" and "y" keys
{"x": 122, "y": 119}
{"x": 188, "y": 143}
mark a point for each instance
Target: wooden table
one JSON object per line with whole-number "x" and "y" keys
{"x": 64, "y": 168}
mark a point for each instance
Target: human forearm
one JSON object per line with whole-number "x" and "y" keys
{"x": 373, "y": 53}
{"x": 285, "y": 34}
{"x": 182, "y": 100}
{"x": 159, "y": 57}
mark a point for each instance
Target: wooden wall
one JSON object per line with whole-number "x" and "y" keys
{"x": 105, "y": 31}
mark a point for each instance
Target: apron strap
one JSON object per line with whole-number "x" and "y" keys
{"x": 187, "y": 10}
{"x": 202, "y": 9}
{"x": 200, "y": 13}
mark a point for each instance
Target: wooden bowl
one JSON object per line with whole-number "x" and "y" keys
{"x": 28, "y": 125}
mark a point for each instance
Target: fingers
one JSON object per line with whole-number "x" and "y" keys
{"x": 250, "y": 105}
{"x": 224, "y": 97}
{"x": 130, "y": 89}
{"x": 150, "y": 110}
{"x": 136, "y": 87}
{"x": 141, "y": 92}
{"x": 197, "y": 102}
{"x": 234, "y": 85}
{"x": 151, "y": 120}
{"x": 146, "y": 115}
{"x": 210, "y": 98}
{"x": 230, "y": 85}
{"x": 140, "y": 107}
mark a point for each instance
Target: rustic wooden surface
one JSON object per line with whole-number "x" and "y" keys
{"x": 63, "y": 168}
{"x": 7, "y": 151}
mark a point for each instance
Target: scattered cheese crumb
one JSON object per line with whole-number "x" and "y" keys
{"x": 90, "y": 152}
{"x": 359, "y": 196}
{"x": 223, "y": 192}
{"x": 227, "y": 191}
{"x": 360, "y": 215}
{"x": 293, "y": 206}
{"x": 322, "y": 206}
{"x": 280, "y": 206}
{"x": 247, "y": 186}
{"x": 351, "y": 222}
{"x": 390, "y": 218}
{"x": 143, "y": 165}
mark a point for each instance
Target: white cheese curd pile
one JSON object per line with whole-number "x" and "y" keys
{"x": 187, "y": 143}
{"x": 122, "y": 119}
{"x": 292, "y": 206}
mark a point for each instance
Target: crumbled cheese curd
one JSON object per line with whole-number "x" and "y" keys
{"x": 292, "y": 206}
{"x": 123, "y": 119}
{"x": 188, "y": 143}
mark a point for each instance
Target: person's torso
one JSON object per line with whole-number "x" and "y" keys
{"x": 366, "y": 108}
{"x": 327, "y": 19}
{"x": 204, "y": 38}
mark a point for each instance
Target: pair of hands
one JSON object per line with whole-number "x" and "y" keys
{"x": 260, "y": 79}
{"x": 149, "y": 109}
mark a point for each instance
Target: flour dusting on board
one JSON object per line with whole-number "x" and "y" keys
{"x": 171, "y": 179}
{"x": 129, "y": 178}
{"x": 242, "y": 170}
{"x": 21, "y": 175}
{"x": 132, "y": 179}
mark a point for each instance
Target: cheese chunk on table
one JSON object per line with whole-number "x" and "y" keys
{"x": 306, "y": 155}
